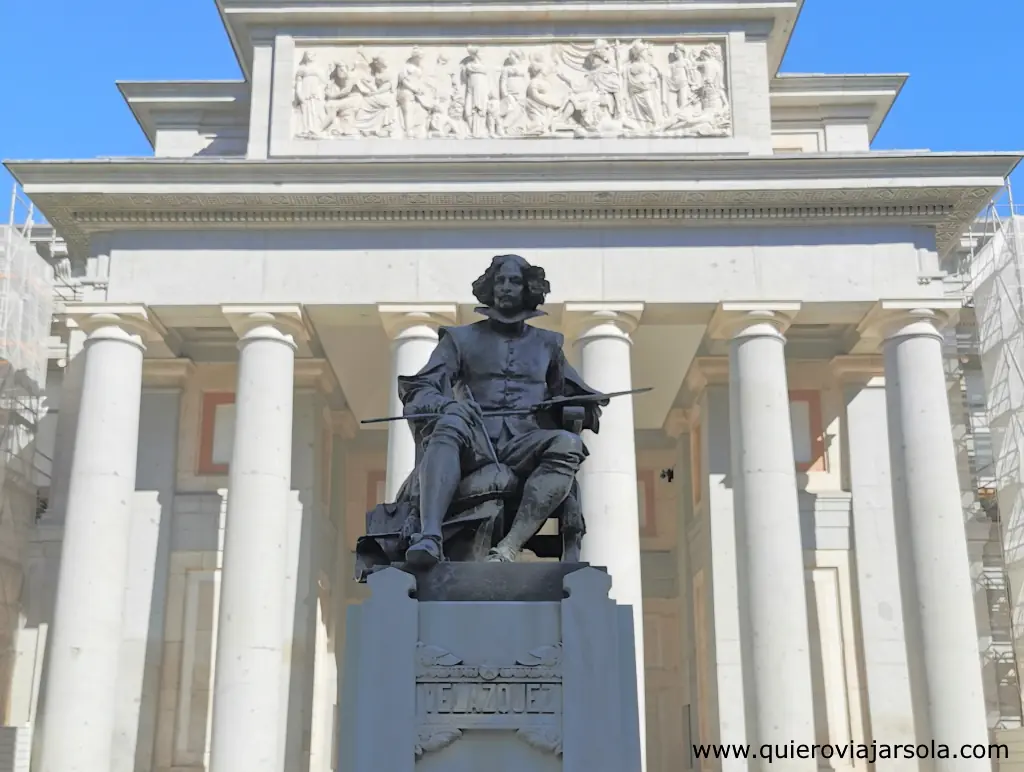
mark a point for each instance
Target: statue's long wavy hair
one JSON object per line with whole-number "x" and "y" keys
{"x": 535, "y": 285}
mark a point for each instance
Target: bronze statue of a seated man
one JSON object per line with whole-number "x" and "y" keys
{"x": 497, "y": 365}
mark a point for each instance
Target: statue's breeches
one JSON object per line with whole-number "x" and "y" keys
{"x": 559, "y": 451}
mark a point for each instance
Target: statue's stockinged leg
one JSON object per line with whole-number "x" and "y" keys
{"x": 545, "y": 489}
{"x": 440, "y": 473}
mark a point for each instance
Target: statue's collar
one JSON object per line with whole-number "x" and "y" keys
{"x": 497, "y": 316}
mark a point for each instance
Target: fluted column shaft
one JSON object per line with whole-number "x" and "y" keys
{"x": 79, "y": 705}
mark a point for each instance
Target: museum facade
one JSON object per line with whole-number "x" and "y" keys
{"x": 782, "y": 510}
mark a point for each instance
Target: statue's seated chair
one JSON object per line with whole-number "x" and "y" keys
{"x": 480, "y": 515}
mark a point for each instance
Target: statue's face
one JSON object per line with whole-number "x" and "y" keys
{"x": 508, "y": 288}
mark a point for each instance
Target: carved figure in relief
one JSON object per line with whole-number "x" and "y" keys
{"x": 512, "y": 85}
{"x": 310, "y": 96}
{"x": 344, "y": 98}
{"x": 477, "y": 94}
{"x": 605, "y": 77}
{"x": 545, "y": 100}
{"x": 375, "y": 117}
{"x": 713, "y": 95}
{"x": 415, "y": 101}
{"x": 606, "y": 89}
{"x": 644, "y": 87}
{"x": 594, "y": 79}
{"x": 682, "y": 81}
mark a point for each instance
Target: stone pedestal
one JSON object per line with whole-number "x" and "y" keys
{"x": 507, "y": 667}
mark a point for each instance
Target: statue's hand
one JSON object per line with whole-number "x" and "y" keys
{"x": 468, "y": 410}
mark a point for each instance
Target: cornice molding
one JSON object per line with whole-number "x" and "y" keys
{"x": 944, "y": 191}
{"x": 579, "y": 161}
{"x": 824, "y": 97}
{"x": 856, "y": 83}
{"x": 148, "y": 100}
{"x": 245, "y": 19}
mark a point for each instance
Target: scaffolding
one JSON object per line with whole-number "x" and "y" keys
{"x": 26, "y": 308}
{"x": 992, "y": 288}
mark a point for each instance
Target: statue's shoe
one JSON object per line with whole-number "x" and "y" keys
{"x": 500, "y": 555}
{"x": 424, "y": 552}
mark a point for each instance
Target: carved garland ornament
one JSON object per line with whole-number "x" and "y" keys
{"x": 599, "y": 89}
{"x": 481, "y": 688}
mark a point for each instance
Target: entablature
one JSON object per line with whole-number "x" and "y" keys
{"x": 940, "y": 190}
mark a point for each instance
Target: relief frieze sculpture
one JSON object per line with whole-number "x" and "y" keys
{"x": 573, "y": 90}
{"x": 525, "y": 697}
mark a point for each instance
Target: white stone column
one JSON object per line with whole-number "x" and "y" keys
{"x": 926, "y": 494}
{"x": 249, "y": 704}
{"x": 79, "y": 712}
{"x": 768, "y": 525}
{"x": 608, "y": 487}
{"x": 413, "y": 333}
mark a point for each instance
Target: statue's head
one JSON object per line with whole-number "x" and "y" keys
{"x": 511, "y": 285}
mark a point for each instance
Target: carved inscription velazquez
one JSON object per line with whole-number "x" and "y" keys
{"x": 452, "y": 696}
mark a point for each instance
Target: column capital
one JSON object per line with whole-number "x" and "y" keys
{"x": 679, "y": 421}
{"x": 858, "y": 368}
{"x": 579, "y": 318}
{"x": 288, "y": 319}
{"x": 315, "y": 374}
{"x": 703, "y": 372}
{"x": 344, "y": 423}
{"x": 732, "y": 318}
{"x": 136, "y": 320}
{"x": 399, "y": 317}
{"x": 167, "y": 373}
{"x": 888, "y": 317}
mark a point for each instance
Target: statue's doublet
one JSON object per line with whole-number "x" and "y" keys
{"x": 508, "y": 372}
{"x": 502, "y": 372}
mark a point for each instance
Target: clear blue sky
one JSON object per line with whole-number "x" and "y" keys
{"x": 59, "y": 60}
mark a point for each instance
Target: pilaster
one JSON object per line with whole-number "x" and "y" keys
{"x": 877, "y": 565}
{"x": 169, "y": 374}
